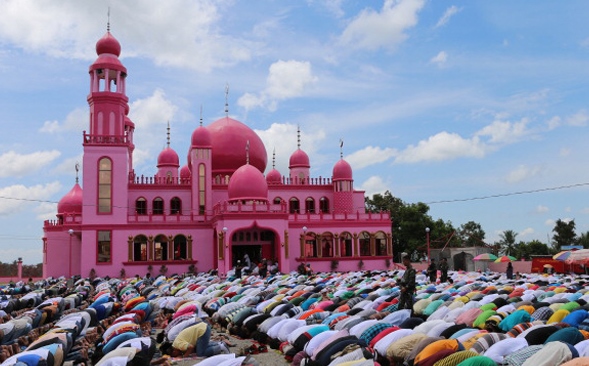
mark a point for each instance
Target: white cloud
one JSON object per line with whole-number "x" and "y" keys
{"x": 451, "y": 11}
{"x": 505, "y": 132}
{"x": 151, "y": 116}
{"x": 46, "y": 211}
{"x": 374, "y": 185}
{"x": 541, "y": 209}
{"x": 442, "y": 146}
{"x": 522, "y": 173}
{"x": 372, "y": 30}
{"x": 370, "y": 155}
{"x": 201, "y": 45}
{"x": 283, "y": 138}
{"x": 68, "y": 166}
{"x": 49, "y": 127}
{"x": 550, "y": 222}
{"x": 526, "y": 232}
{"x": 554, "y": 122}
{"x": 578, "y": 119}
{"x": 16, "y": 198}
{"x": 19, "y": 165}
{"x": 564, "y": 152}
{"x": 76, "y": 120}
{"x": 286, "y": 80}
{"x": 439, "y": 59}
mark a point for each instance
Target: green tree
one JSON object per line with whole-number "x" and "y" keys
{"x": 584, "y": 240}
{"x": 471, "y": 234}
{"x": 507, "y": 242}
{"x": 564, "y": 234}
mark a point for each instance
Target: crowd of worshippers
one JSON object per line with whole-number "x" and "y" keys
{"x": 353, "y": 318}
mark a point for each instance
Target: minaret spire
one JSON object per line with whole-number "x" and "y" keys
{"x": 298, "y": 137}
{"x": 226, "y": 100}
{"x": 108, "y": 20}
{"x": 201, "y": 115}
{"x": 168, "y": 133}
{"x": 274, "y": 158}
{"x": 341, "y": 148}
{"x": 77, "y": 167}
{"x": 247, "y": 152}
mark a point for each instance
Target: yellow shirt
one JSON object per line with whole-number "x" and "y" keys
{"x": 188, "y": 337}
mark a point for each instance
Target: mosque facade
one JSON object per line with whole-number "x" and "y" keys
{"x": 209, "y": 212}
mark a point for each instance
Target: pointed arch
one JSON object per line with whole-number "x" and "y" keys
{"x": 364, "y": 241}
{"x": 346, "y": 244}
{"x": 160, "y": 248}
{"x": 310, "y": 205}
{"x": 139, "y": 248}
{"x": 157, "y": 206}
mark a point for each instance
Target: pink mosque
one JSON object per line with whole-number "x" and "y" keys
{"x": 208, "y": 213}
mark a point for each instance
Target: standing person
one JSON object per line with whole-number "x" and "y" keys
{"x": 444, "y": 270}
{"x": 407, "y": 284}
{"x": 248, "y": 263}
{"x": 509, "y": 271}
{"x": 238, "y": 268}
{"x": 432, "y": 271}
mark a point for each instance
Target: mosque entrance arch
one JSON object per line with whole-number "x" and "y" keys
{"x": 256, "y": 242}
{"x": 463, "y": 261}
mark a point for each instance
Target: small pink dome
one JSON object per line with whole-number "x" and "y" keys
{"x": 229, "y": 138}
{"x": 201, "y": 137}
{"x": 168, "y": 157}
{"x": 248, "y": 183}
{"x": 274, "y": 177}
{"x": 299, "y": 159}
{"x": 342, "y": 170}
{"x": 185, "y": 172}
{"x": 108, "y": 44}
{"x": 71, "y": 202}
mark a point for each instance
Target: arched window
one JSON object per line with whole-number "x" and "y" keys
{"x": 180, "y": 248}
{"x": 139, "y": 248}
{"x": 158, "y": 206}
{"x": 294, "y": 206}
{"x": 175, "y": 206}
{"x": 380, "y": 243}
{"x": 310, "y": 205}
{"x": 345, "y": 245}
{"x": 104, "y": 185}
{"x": 324, "y": 205}
{"x": 201, "y": 189}
{"x": 310, "y": 246}
{"x": 141, "y": 206}
{"x": 364, "y": 242}
{"x": 160, "y": 248}
{"x": 327, "y": 248}
{"x": 277, "y": 201}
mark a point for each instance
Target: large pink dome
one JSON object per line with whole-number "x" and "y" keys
{"x": 229, "y": 139}
{"x": 274, "y": 177}
{"x": 299, "y": 159}
{"x": 201, "y": 137}
{"x": 247, "y": 183}
{"x": 342, "y": 170}
{"x": 168, "y": 157}
{"x": 71, "y": 202}
{"x": 108, "y": 44}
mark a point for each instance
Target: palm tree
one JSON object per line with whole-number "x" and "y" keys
{"x": 507, "y": 242}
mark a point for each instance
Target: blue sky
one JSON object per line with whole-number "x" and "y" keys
{"x": 435, "y": 100}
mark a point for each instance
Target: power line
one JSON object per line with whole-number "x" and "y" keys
{"x": 539, "y": 190}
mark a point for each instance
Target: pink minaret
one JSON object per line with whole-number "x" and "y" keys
{"x": 299, "y": 164}
{"x": 108, "y": 144}
{"x": 200, "y": 163}
{"x": 343, "y": 185}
